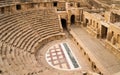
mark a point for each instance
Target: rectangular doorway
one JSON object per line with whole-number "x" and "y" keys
{"x": 104, "y": 32}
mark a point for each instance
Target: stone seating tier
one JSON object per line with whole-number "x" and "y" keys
{"x": 20, "y": 34}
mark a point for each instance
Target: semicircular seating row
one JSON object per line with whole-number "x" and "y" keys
{"x": 20, "y": 33}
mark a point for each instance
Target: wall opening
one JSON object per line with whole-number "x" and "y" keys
{"x": 55, "y": 4}
{"x": 71, "y": 4}
{"x": 78, "y": 4}
{"x": 72, "y": 19}
{"x": 18, "y": 7}
{"x": 64, "y": 24}
{"x": 0, "y": 71}
{"x": 104, "y": 32}
{"x": 2, "y": 10}
{"x": 45, "y": 4}
{"x": 86, "y": 22}
{"x": 31, "y": 5}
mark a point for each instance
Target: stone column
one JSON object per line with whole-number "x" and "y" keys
{"x": 68, "y": 21}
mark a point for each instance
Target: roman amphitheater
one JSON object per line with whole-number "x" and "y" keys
{"x": 59, "y": 37}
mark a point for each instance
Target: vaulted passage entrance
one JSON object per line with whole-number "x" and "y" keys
{"x": 64, "y": 25}
{"x": 72, "y": 19}
{"x": 104, "y": 32}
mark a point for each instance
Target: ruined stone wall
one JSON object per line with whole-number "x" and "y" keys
{"x": 92, "y": 23}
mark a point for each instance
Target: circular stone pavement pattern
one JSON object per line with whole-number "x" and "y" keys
{"x": 60, "y": 56}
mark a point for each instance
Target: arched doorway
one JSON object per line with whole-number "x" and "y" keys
{"x": 72, "y": 19}
{"x": 64, "y": 24}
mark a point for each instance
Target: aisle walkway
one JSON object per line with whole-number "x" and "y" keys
{"x": 105, "y": 59}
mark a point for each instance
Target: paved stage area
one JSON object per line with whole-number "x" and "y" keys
{"x": 102, "y": 56}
